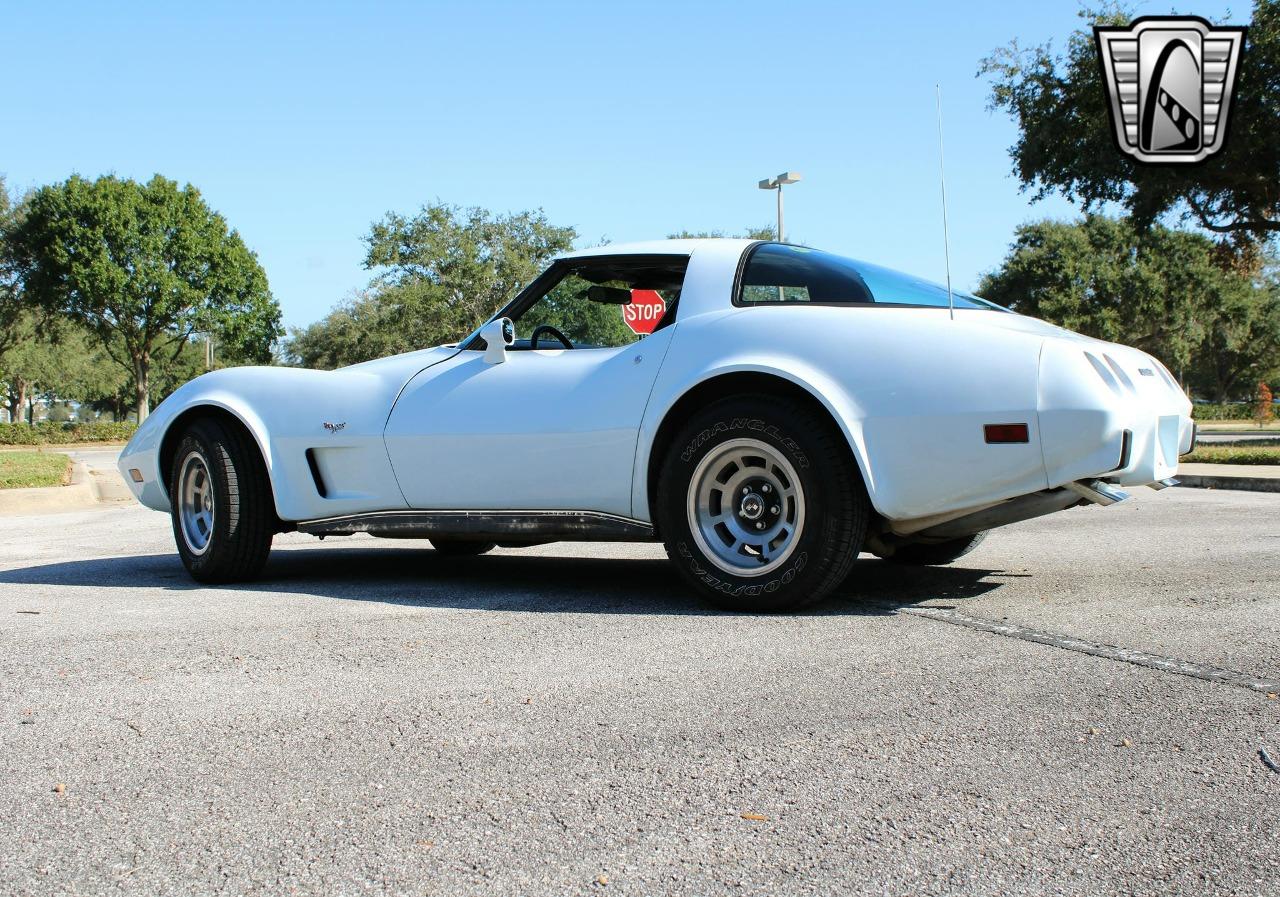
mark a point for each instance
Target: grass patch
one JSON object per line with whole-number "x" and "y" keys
{"x": 1243, "y": 425}
{"x": 23, "y": 470}
{"x": 1233, "y": 454}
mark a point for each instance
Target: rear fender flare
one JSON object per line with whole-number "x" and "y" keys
{"x": 843, "y": 409}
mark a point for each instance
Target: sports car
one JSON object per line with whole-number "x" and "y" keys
{"x": 767, "y": 411}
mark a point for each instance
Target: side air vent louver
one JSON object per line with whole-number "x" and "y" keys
{"x": 1120, "y": 374}
{"x": 1166, "y": 376}
{"x": 1104, "y": 372}
{"x": 315, "y": 473}
{"x": 1126, "y": 450}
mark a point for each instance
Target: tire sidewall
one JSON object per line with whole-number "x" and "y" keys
{"x": 772, "y": 423}
{"x": 938, "y": 553}
{"x": 193, "y": 442}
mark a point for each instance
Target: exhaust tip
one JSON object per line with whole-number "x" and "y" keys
{"x": 1098, "y": 492}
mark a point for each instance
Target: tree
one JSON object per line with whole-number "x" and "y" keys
{"x": 13, "y": 325}
{"x": 1264, "y": 410}
{"x": 1242, "y": 343}
{"x": 69, "y": 366}
{"x": 142, "y": 267}
{"x": 768, "y": 232}
{"x": 19, "y": 365}
{"x": 1065, "y": 142}
{"x": 1164, "y": 291}
{"x": 440, "y": 274}
{"x": 360, "y": 327}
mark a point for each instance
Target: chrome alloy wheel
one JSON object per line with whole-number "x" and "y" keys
{"x": 746, "y": 508}
{"x": 195, "y": 503}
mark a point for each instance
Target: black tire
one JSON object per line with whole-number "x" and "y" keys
{"x": 243, "y": 513}
{"x": 461, "y": 548}
{"x": 834, "y": 502}
{"x": 927, "y": 554}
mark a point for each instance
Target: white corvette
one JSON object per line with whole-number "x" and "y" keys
{"x": 767, "y": 411}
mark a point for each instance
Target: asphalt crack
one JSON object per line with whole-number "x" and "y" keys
{"x": 1205, "y": 672}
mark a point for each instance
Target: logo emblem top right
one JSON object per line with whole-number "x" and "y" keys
{"x": 1170, "y": 80}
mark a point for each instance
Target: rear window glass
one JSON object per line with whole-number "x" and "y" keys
{"x": 778, "y": 273}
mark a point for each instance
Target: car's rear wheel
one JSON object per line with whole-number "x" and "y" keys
{"x": 220, "y": 504}
{"x": 461, "y": 547}
{"x": 936, "y": 553}
{"x": 760, "y": 505}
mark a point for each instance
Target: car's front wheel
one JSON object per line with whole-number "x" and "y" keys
{"x": 220, "y": 502}
{"x": 760, "y": 505}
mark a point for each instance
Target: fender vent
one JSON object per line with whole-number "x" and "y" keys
{"x": 315, "y": 473}
{"x": 1120, "y": 374}
{"x": 1126, "y": 450}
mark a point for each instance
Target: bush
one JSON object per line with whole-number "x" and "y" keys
{"x": 1234, "y": 411}
{"x": 1233, "y": 454}
{"x": 51, "y": 433}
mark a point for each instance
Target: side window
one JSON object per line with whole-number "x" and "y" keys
{"x": 777, "y": 272}
{"x": 603, "y": 303}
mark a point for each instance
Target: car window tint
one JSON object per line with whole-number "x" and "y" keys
{"x": 895, "y": 288}
{"x": 781, "y": 273}
{"x": 777, "y": 273}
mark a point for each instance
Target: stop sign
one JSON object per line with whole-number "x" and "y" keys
{"x": 645, "y": 311}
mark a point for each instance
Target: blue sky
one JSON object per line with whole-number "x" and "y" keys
{"x": 304, "y": 122}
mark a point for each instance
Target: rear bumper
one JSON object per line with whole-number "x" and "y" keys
{"x": 1109, "y": 412}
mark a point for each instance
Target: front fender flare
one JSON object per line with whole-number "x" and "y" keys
{"x": 146, "y": 450}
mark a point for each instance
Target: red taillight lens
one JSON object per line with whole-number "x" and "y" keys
{"x": 1006, "y": 433}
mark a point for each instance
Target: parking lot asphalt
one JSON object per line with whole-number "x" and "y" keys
{"x": 372, "y": 718}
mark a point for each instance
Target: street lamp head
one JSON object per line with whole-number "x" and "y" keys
{"x": 787, "y": 177}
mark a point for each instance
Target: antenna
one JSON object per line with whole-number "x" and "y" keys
{"x": 946, "y": 236}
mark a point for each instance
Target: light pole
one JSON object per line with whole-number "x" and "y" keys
{"x": 787, "y": 177}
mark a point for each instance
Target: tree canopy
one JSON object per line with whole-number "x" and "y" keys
{"x": 438, "y": 275}
{"x": 1065, "y": 141}
{"x": 13, "y": 327}
{"x": 1164, "y": 291}
{"x": 142, "y": 267}
{"x": 74, "y": 368}
{"x": 768, "y": 232}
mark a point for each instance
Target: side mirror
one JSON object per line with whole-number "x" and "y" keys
{"x": 497, "y": 335}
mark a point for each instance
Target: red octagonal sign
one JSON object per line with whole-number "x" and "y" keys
{"x": 645, "y": 311}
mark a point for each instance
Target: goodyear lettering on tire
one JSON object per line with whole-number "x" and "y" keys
{"x": 726, "y": 587}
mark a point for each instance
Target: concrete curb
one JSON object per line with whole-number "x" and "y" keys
{"x": 78, "y": 495}
{"x": 1243, "y": 483}
{"x": 108, "y": 486}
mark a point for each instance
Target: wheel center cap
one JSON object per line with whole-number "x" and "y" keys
{"x": 752, "y": 506}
